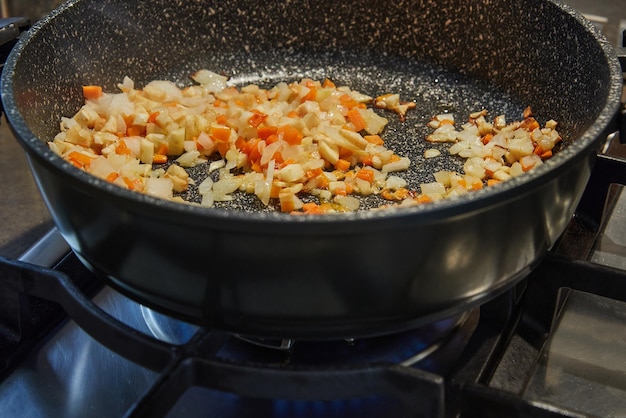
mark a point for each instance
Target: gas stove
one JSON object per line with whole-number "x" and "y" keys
{"x": 553, "y": 345}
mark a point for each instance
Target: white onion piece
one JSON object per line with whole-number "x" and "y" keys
{"x": 216, "y": 165}
{"x": 210, "y": 80}
{"x": 395, "y": 182}
{"x": 350, "y": 203}
{"x": 400, "y": 165}
{"x": 205, "y": 186}
{"x": 270, "y": 150}
{"x": 159, "y": 187}
{"x": 223, "y": 188}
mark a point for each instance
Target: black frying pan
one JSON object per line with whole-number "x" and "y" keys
{"x": 269, "y": 274}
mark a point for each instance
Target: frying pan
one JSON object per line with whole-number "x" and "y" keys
{"x": 263, "y": 273}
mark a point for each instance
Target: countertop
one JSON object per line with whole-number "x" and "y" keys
{"x": 23, "y": 215}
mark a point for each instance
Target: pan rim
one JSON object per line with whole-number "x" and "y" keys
{"x": 475, "y": 201}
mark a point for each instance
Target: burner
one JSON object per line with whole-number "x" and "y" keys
{"x": 406, "y": 348}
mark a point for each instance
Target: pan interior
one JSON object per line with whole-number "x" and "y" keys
{"x": 446, "y": 56}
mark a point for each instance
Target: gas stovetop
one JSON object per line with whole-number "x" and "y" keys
{"x": 553, "y": 345}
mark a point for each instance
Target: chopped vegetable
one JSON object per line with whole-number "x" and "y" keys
{"x": 493, "y": 152}
{"x": 300, "y": 138}
{"x": 92, "y": 92}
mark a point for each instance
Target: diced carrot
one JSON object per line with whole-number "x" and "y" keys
{"x": 112, "y": 177}
{"x": 278, "y": 157}
{"x": 355, "y": 117}
{"x": 159, "y": 159}
{"x": 153, "y": 117}
{"x": 546, "y": 154}
{"x": 79, "y": 159}
{"x": 342, "y": 165}
{"x": 220, "y": 132}
{"x": 446, "y": 122}
{"x": 222, "y": 119}
{"x": 162, "y": 149}
{"x": 367, "y": 175}
{"x": 222, "y": 147}
{"x": 275, "y": 191}
{"x": 311, "y": 208}
{"x": 530, "y": 124}
{"x": 271, "y": 139}
{"x": 122, "y": 148}
{"x": 477, "y": 185}
{"x": 367, "y": 161}
{"x": 292, "y": 114}
{"x": 322, "y": 182}
{"x": 290, "y": 135}
{"x": 131, "y": 184}
{"x": 328, "y": 84}
{"x": 492, "y": 182}
{"x": 92, "y": 92}
{"x": 486, "y": 138}
{"x": 256, "y": 166}
{"x": 285, "y": 163}
{"x": 543, "y": 154}
{"x": 423, "y": 199}
{"x": 250, "y": 145}
{"x": 265, "y": 131}
{"x": 394, "y": 158}
{"x": 257, "y": 118}
{"x": 311, "y": 95}
{"x": 345, "y": 153}
{"x": 309, "y": 174}
{"x": 387, "y": 194}
{"x": 255, "y": 151}
{"x": 341, "y": 192}
{"x": 240, "y": 143}
{"x": 528, "y": 112}
{"x": 347, "y": 101}
{"x": 287, "y": 203}
{"x": 134, "y": 131}
{"x": 374, "y": 139}
{"x": 399, "y": 194}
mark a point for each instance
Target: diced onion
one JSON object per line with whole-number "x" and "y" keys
{"x": 280, "y": 143}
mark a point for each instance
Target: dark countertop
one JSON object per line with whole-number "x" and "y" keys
{"x": 23, "y": 215}
{"x": 614, "y": 11}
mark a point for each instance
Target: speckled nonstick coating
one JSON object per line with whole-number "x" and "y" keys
{"x": 258, "y": 272}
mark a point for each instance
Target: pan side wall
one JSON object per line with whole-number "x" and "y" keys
{"x": 527, "y": 47}
{"x": 403, "y": 274}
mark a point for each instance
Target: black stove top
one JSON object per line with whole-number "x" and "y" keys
{"x": 551, "y": 346}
